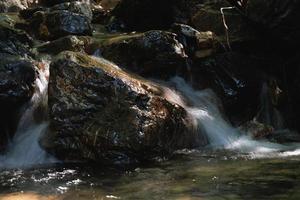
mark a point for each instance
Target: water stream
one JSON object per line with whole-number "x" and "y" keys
{"x": 234, "y": 166}
{"x": 24, "y": 149}
{"x": 205, "y": 107}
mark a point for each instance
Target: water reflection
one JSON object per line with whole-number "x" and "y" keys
{"x": 189, "y": 175}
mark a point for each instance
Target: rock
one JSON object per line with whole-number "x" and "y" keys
{"x": 257, "y": 130}
{"x": 78, "y": 7}
{"x": 153, "y": 53}
{"x": 99, "y": 112}
{"x": 13, "y": 41}
{"x": 14, "y": 5}
{"x": 60, "y": 23}
{"x": 70, "y": 43}
{"x": 17, "y": 75}
{"x": 145, "y": 15}
{"x": 263, "y": 131}
{"x": 197, "y": 44}
{"x": 209, "y": 18}
{"x": 17, "y": 78}
{"x": 284, "y": 136}
{"x": 50, "y": 3}
{"x": 109, "y": 4}
{"x": 235, "y": 78}
{"x": 279, "y": 17}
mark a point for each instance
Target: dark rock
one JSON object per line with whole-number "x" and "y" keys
{"x": 70, "y": 43}
{"x": 278, "y": 17}
{"x": 13, "y": 41}
{"x": 257, "y": 130}
{"x": 78, "y": 7}
{"x": 56, "y": 24}
{"x": 197, "y": 44}
{"x": 153, "y": 53}
{"x": 284, "y": 136}
{"x": 29, "y": 12}
{"x": 209, "y": 18}
{"x": 145, "y": 15}
{"x": 236, "y": 78}
{"x": 100, "y": 15}
{"x": 99, "y": 112}
{"x": 17, "y": 78}
{"x": 50, "y": 3}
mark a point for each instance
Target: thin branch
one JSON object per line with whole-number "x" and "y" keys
{"x": 225, "y": 25}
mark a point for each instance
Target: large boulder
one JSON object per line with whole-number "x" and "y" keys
{"x": 197, "y": 44}
{"x": 99, "y": 112}
{"x": 153, "y": 53}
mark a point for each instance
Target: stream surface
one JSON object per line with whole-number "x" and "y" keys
{"x": 189, "y": 175}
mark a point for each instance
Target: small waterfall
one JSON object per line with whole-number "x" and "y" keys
{"x": 204, "y": 107}
{"x": 24, "y": 149}
{"x": 268, "y": 113}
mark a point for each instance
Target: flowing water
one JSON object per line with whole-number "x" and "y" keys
{"x": 233, "y": 166}
{"x": 24, "y": 149}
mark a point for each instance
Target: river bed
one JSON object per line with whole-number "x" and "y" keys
{"x": 189, "y": 175}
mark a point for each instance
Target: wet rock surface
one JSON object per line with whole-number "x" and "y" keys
{"x": 68, "y": 43}
{"x": 17, "y": 78}
{"x": 13, "y": 41}
{"x": 99, "y": 112}
{"x": 60, "y": 23}
{"x": 151, "y": 54}
{"x": 17, "y": 75}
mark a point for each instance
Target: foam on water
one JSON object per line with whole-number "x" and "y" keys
{"x": 204, "y": 107}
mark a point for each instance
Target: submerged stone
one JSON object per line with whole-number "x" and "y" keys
{"x": 99, "y": 112}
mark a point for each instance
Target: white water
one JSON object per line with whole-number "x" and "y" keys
{"x": 24, "y": 149}
{"x": 204, "y": 107}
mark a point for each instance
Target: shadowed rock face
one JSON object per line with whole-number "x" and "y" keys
{"x": 69, "y": 18}
{"x": 61, "y": 23}
{"x": 153, "y": 53}
{"x": 139, "y": 15}
{"x": 98, "y": 112}
{"x": 17, "y": 76}
{"x": 278, "y": 16}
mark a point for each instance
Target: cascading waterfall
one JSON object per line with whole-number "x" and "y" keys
{"x": 24, "y": 149}
{"x": 204, "y": 108}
